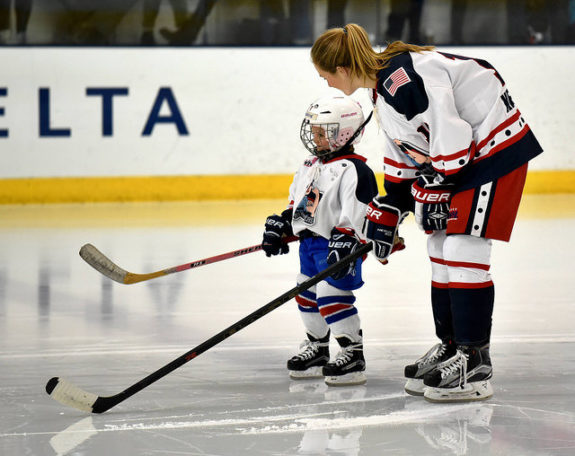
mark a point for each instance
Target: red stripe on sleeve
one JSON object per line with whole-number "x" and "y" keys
{"x": 497, "y": 129}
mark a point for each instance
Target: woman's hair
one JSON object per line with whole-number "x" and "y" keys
{"x": 350, "y": 47}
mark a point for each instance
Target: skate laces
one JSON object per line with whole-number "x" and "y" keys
{"x": 345, "y": 355}
{"x": 435, "y": 353}
{"x": 458, "y": 363}
{"x": 309, "y": 350}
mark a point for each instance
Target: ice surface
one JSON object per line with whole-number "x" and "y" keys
{"x": 59, "y": 317}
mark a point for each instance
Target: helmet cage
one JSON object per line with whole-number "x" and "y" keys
{"x": 328, "y": 142}
{"x": 341, "y": 122}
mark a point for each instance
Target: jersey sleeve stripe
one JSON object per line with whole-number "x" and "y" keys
{"x": 396, "y": 164}
{"x": 505, "y": 144}
{"x": 399, "y": 180}
{"x": 453, "y": 156}
{"x": 497, "y": 129}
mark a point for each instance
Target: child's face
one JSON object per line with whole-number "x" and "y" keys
{"x": 320, "y": 138}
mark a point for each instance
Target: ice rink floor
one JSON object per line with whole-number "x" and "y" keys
{"x": 59, "y": 317}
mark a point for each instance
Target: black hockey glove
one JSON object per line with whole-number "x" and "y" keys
{"x": 341, "y": 244}
{"x": 276, "y": 227}
{"x": 431, "y": 204}
{"x": 380, "y": 227}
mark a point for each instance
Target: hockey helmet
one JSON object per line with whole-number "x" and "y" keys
{"x": 331, "y": 123}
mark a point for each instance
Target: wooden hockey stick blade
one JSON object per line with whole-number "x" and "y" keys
{"x": 69, "y": 394}
{"x": 107, "y": 267}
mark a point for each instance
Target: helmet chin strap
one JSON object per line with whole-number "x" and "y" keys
{"x": 347, "y": 149}
{"x": 357, "y": 132}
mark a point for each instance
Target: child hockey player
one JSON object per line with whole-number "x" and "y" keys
{"x": 327, "y": 203}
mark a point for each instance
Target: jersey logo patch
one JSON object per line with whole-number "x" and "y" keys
{"x": 306, "y": 209}
{"x": 395, "y": 80}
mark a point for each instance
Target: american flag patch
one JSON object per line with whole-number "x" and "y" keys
{"x": 398, "y": 78}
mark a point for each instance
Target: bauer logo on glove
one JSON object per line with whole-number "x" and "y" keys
{"x": 430, "y": 196}
{"x": 342, "y": 243}
{"x": 373, "y": 213}
{"x": 276, "y": 228}
{"x": 431, "y": 204}
{"x": 380, "y": 226}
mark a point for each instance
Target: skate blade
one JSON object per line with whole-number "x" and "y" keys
{"x": 351, "y": 379}
{"x": 476, "y": 391}
{"x": 414, "y": 387}
{"x": 312, "y": 372}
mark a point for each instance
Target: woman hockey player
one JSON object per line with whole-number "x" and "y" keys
{"x": 327, "y": 203}
{"x": 456, "y": 153}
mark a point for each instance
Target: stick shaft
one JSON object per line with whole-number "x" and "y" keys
{"x": 223, "y": 256}
{"x": 107, "y": 267}
{"x": 105, "y": 403}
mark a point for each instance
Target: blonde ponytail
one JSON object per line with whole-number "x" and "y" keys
{"x": 350, "y": 47}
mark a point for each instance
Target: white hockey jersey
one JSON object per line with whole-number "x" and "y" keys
{"x": 331, "y": 194}
{"x": 458, "y": 111}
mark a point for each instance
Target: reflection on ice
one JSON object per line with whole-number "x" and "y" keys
{"x": 74, "y": 435}
{"x": 60, "y": 317}
{"x": 464, "y": 431}
{"x": 346, "y": 443}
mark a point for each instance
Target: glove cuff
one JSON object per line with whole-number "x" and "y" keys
{"x": 383, "y": 214}
{"x": 428, "y": 195}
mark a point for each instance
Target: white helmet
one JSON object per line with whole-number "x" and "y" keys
{"x": 329, "y": 123}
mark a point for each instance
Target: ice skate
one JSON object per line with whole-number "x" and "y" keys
{"x": 416, "y": 371}
{"x": 348, "y": 367}
{"x": 308, "y": 363}
{"x": 462, "y": 378}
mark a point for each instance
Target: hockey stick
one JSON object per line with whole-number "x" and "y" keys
{"x": 104, "y": 265}
{"x": 67, "y": 393}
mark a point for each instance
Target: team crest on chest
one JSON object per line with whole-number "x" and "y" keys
{"x": 307, "y": 207}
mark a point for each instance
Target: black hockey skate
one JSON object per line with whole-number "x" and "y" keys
{"x": 416, "y": 371}
{"x": 463, "y": 377}
{"x": 349, "y": 365}
{"x": 308, "y": 363}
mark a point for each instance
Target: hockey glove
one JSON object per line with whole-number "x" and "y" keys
{"x": 276, "y": 227}
{"x": 341, "y": 244}
{"x": 380, "y": 227}
{"x": 431, "y": 204}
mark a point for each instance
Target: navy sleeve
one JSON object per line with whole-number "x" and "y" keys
{"x": 366, "y": 182}
{"x": 402, "y": 88}
{"x": 398, "y": 194}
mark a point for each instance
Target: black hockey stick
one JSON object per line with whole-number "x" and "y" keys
{"x": 69, "y": 394}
